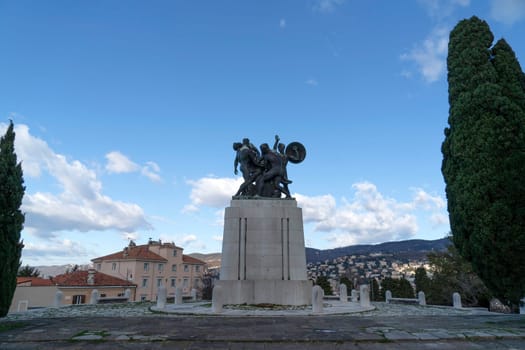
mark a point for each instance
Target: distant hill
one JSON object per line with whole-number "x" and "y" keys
{"x": 414, "y": 248}
{"x": 213, "y": 259}
{"x": 53, "y": 270}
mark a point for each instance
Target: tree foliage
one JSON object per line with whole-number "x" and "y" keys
{"x": 422, "y": 280}
{"x": 11, "y": 218}
{"x": 452, "y": 273}
{"x": 345, "y": 280}
{"x": 400, "y": 288}
{"x": 484, "y": 157}
{"x": 323, "y": 282}
{"x": 28, "y": 271}
{"x": 375, "y": 292}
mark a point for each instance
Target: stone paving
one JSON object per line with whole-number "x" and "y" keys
{"x": 135, "y": 326}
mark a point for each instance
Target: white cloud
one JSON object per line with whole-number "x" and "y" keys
{"x": 369, "y": 217}
{"x": 430, "y": 55}
{"x": 311, "y": 82}
{"x": 186, "y": 240}
{"x": 282, "y": 23}
{"x": 119, "y": 163}
{"x": 507, "y": 11}
{"x": 151, "y": 171}
{"x": 80, "y": 205}
{"x": 327, "y": 6}
{"x": 65, "y": 250}
{"x": 212, "y": 192}
{"x": 440, "y": 9}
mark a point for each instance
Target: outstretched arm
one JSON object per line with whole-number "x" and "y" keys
{"x": 277, "y": 139}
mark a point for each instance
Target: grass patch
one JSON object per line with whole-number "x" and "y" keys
{"x": 4, "y": 327}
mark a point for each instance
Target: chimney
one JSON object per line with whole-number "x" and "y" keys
{"x": 91, "y": 277}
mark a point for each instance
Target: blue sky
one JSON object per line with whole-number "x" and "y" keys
{"x": 126, "y": 111}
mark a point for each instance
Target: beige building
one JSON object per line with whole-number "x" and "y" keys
{"x": 31, "y": 293}
{"x": 151, "y": 265}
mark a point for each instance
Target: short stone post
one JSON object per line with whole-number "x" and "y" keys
{"x": 178, "y": 296}
{"x": 522, "y": 306}
{"x": 161, "y": 297}
{"x": 456, "y": 300}
{"x": 343, "y": 294}
{"x": 354, "y": 296}
{"x": 388, "y": 296}
{"x": 317, "y": 299}
{"x": 217, "y": 300}
{"x": 194, "y": 294}
{"x": 127, "y": 294}
{"x": 59, "y": 296}
{"x": 364, "y": 295}
{"x": 94, "y": 297}
{"x": 421, "y": 298}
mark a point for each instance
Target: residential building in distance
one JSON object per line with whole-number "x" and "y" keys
{"x": 32, "y": 292}
{"x": 77, "y": 286}
{"x": 152, "y": 265}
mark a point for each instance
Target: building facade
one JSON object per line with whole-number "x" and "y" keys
{"x": 152, "y": 265}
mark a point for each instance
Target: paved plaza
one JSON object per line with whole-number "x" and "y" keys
{"x": 136, "y": 326}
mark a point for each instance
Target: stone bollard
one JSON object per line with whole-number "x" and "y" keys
{"x": 456, "y": 300}
{"x": 59, "y": 296}
{"x": 127, "y": 294}
{"x": 364, "y": 295}
{"x": 388, "y": 296}
{"x": 522, "y": 306}
{"x": 217, "y": 300}
{"x": 178, "y": 296}
{"x": 161, "y": 297}
{"x": 354, "y": 296}
{"x": 421, "y": 298}
{"x": 343, "y": 294}
{"x": 194, "y": 294}
{"x": 94, "y": 297}
{"x": 317, "y": 299}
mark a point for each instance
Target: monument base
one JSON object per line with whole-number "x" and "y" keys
{"x": 254, "y": 292}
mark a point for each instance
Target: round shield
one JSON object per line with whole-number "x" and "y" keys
{"x": 295, "y": 152}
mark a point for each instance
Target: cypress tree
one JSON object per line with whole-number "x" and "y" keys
{"x": 11, "y": 218}
{"x": 484, "y": 157}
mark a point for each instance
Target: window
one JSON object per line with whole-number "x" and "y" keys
{"x": 160, "y": 267}
{"x": 196, "y": 283}
{"x": 99, "y": 267}
{"x": 174, "y": 268}
{"x": 159, "y": 282}
{"x": 173, "y": 283}
{"x": 144, "y": 283}
{"x": 185, "y": 283}
{"x": 114, "y": 266}
{"x": 79, "y": 299}
{"x": 143, "y": 297}
{"x": 174, "y": 252}
{"x": 197, "y": 268}
{"x": 146, "y": 267}
{"x": 103, "y": 295}
{"x": 186, "y": 268}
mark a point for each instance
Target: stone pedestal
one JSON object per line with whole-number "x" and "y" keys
{"x": 263, "y": 254}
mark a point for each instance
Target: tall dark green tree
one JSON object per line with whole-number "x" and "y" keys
{"x": 323, "y": 282}
{"x": 422, "y": 280}
{"x": 28, "y": 271}
{"x": 11, "y": 218}
{"x": 484, "y": 157}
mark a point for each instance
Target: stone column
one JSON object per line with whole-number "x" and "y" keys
{"x": 388, "y": 296}
{"x": 421, "y": 298}
{"x": 161, "y": 297}
{"x": 317, "y": 299}
{"x": 94, "y": 297}
{"x": 59, "y": 296}
{"x": 343, "y": 294}
{"x": 127, "y": 294}
{"x": 178, "y": 296}
{"x": 364, "y": 295}
{"x": 354, "y": 296}
{"x": 456, "y": 300}
{"x": 194, "y": 294}
{"x": 522, "y": 306}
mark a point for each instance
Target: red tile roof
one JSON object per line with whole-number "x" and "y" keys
{"x": 140, "y": 252}
{"x": 80, "y": 278}
{"x": 34, "y": 281}
{"x": 191, "y": 260}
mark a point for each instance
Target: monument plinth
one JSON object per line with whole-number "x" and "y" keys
{"x": 263, "y": 253}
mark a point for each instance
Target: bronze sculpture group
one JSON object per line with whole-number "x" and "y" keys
{"x": 264, "y": 171}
